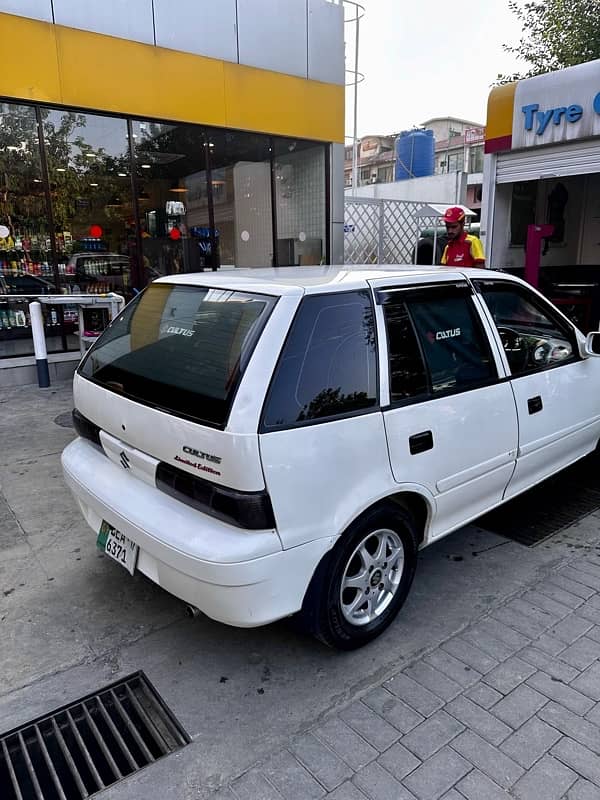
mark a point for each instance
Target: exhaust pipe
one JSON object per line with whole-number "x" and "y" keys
{"x": 192, "y": 611}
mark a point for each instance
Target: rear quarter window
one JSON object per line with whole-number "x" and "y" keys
{"x": 328, "y": 367}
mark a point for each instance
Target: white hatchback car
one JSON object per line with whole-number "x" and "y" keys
{"x": 264, "y": 443}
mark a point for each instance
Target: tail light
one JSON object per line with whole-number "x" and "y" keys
{"x": 249, "y": 510}
{"x": 85, "y": 428}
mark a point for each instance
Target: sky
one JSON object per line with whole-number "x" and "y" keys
{"x": 427, "y": 58}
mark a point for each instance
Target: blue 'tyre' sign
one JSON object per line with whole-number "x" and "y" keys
{"x": 538, "y": 119}
{"x": 557, "y": 107}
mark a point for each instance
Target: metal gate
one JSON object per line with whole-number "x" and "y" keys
{"x": 382, "y": 231}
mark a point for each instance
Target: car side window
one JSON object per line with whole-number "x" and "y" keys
{"x": 436, "y": 343}
{"x": 454, "y": 344}
{"x": 533, "y": 337}
{"x": 328, "y": 366}
{"x": 408, "y": 377}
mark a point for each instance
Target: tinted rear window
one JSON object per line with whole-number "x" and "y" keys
{"x": 180, "y": 348}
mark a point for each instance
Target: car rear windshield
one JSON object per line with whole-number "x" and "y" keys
{"x": 182, "y": 349}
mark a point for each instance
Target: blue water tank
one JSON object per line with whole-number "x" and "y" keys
{"x": 415, "y": 154}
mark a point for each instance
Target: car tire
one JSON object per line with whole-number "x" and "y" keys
{"x": 361, "y": 585}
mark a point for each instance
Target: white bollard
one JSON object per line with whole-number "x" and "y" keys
{"x": 39, "y": 344}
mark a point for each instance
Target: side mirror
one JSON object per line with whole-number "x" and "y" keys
{"x": 592, "y": 344}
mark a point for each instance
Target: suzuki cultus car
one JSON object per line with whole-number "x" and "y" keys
{"x": 269, "y": 443}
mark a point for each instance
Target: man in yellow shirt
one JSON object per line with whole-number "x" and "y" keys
{"x": 463, "y": 249}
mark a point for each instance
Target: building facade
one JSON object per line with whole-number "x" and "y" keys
{"x": 458, "y": 144}
{"x": 541, "y": 214}
{"x": 376, "y": 160}
{"x": 138, "y": 141}
{"x": 458, "y": 149}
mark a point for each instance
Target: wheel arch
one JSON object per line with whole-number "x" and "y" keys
{"x": 417, "y": 503}
{"x": 411, "y": 507}
{"x": 418, "y": 506}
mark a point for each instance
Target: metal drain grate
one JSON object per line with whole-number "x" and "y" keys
{"x": 88, "y": 745}
{"x": 559, "y": 501}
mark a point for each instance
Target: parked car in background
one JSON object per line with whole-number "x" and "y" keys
{"x": 26, "y": 284}
{"x": 92, "y": 264}
{"x": 98, "y": 271}
{"x": 268, "y": 443}
{"x": 440, "y": 231}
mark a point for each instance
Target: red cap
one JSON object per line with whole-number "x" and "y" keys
{"x": 453, "y": 215}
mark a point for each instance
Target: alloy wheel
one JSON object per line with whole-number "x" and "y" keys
{"x": 371, "y": 577}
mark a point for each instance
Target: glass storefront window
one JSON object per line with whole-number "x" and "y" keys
{"x": 25, "y": 253}
{"x": 241, "y": 189}
{"x": 204, "y": 198}
{"x": 170, "y": 165}
{"x": 90, "y": 187}
{"x": 300, "y": 202}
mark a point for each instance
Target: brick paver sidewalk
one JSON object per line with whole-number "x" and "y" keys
{"x": 508, "y": 708}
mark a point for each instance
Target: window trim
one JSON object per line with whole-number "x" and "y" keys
{"x": 423, "y": 290}
{"x": 538, "y": 300}
{"x": 455, "y": 287}
{"x": 375, "y": 408}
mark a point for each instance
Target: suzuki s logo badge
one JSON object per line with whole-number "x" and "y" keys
{"x": 124, "y": 460}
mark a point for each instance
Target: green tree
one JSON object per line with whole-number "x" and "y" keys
{"x": 73, "y": 173}
{"x": 556, "y": 34}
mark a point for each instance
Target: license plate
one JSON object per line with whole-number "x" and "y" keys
{"x": 116, "y": 545}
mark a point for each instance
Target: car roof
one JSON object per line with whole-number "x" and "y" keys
{"x": 317, "y": 280}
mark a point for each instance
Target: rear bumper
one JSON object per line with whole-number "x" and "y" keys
{"x": 238, "y": 577}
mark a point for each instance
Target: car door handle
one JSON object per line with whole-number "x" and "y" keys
{"x": 534, "y": 404}
{"x": 420, "y": 442}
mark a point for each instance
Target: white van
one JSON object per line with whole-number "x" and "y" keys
{"x": 263, "y": 443}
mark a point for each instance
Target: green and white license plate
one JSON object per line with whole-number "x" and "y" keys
{"x": 116, "y": 545}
